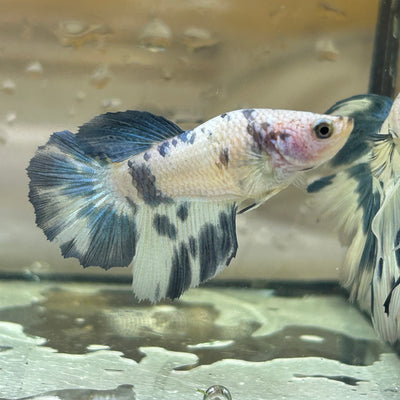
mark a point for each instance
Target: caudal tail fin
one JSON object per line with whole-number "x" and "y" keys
{"x": 77, "y": 207}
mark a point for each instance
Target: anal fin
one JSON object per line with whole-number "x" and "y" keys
{"x": 182, "y": 244}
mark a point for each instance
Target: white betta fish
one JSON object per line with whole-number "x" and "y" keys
{"x": 363, "y": 198}
{"x": 133, "y": 188}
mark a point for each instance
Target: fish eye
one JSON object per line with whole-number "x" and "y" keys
{"x": 323, "y": 129}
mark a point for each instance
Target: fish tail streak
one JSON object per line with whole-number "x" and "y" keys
{"x": 77, "y": 207}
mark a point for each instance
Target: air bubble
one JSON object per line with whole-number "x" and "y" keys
{"x": 217, "y": 392}
{"x": 8, "y": 86}
{"x": 34, "y": 69}
{"x": 76, "y": 33}
{"x": 326, "y": 50}
{"x": 198, "y": 38}
{"x": 11, "y": 118}
{"x": 100, "y": 77}
{"x": 39, "y": 266}
{"x": 80, "y": 95}
{"x": 111, "y": 103}
{"x": 156, "y": 35}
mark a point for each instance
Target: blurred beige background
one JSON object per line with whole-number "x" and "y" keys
{"x": 63, "y": 62}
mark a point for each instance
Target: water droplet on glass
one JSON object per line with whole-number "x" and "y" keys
{"x": 326, "y": 50}
{"x": 76, "y": 32}
{"x": 3, "y": 136}
{"x": 217, "y": 392}
{"x": 156, "y": 35}
{"x": 11, "y": 118}
{"x": 100, "y": 77}
{"x": 198, "y": 38}
{"x": 34, "y": 69}
{"x": 8, "y": 86}
{"x": 166, "y": 74}
{"x": 111, "y": 103}
{"x": 39, "y": 266}
{"x": 30, "y": 275}
{"x": 80, "y": 95}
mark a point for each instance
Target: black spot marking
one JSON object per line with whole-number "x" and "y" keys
{"x": 187, "y": 137}
{"x": 249, "y": 207}
{"x": 319, "y": 184}
{"x": 102, "y": 251}
{"x": 132, "y": 204}
{"x": 145, "y": 183}
{"x": 367, "y": 200}
{"x": 248, "y": 114}
{"x": 372, "y": 298}
{"x": 208, "y": 252}
{"x": 217, "y": 244}
{"x": 163, "y": 149}
{"x": 368, "y": 256}
{"x": 164, "y": 226}
{"x": 226, "y": 116}
{"x": 396, "y": 244}
{"x": 193, "y": 246}
{"x": 183, "y": 211}
{"x": 181, "y": 273}
{"x": 284, "y": 136}
{"x": 146, "y": 156}
{"x": 380, "y": 268}
{"x": 174, "y": 142}
{"x": 224, "y": 157}
{"x": 386, "y": 304}
{"x": 256, "y": 134}
{"x": 158, "y": 290}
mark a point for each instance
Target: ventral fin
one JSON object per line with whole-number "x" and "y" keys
{"x": 121, "y": 135}
{"x": 182, "y": 245}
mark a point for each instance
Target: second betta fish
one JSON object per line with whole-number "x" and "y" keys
{"x": 133, "y": 188}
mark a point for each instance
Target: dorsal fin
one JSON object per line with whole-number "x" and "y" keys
{"x": 120, "y": 135}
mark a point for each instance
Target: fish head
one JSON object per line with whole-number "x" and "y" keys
{"x": 297, "y": 141}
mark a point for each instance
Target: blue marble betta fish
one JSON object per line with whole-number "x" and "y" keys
{"x": 133, "y": 188}
{"x": 363, "y": 197}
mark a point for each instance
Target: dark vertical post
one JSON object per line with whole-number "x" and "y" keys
{"x": 386, "y": 49}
